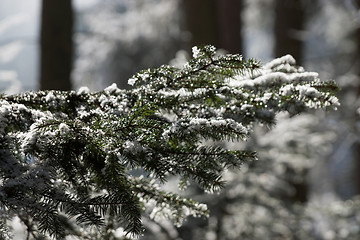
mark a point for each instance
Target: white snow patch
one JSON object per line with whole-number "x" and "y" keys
{"x": 83, "y": 90}
{"x": 195, "y": 52}
{"x": 64, "y": 128}
{"x": 132, "y": 81}
{"x": 50, "y": 97}
{"x": 287, "y": 59}
{"x": 113, "y": 88}
{"x": 246, "y": 106}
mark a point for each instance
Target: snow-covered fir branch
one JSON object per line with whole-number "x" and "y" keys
{"x": 73, "y": 160}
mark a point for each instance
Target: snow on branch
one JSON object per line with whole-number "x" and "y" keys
{"x": 79, "y": 151}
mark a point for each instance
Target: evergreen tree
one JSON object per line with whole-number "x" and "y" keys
{"x": 260, "y": 201}
{"x": 87, "y": 164}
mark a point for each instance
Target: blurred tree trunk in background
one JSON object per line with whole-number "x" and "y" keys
{"x": 357, "y": 67}
{"x": 200, "y": 21}
{"x": 289, "y": 22}
{"x": 357, "y": 52}
{"x": 56, "y": 44}
{"x": 215, "y": 22}
{"x": 229, "y": 25}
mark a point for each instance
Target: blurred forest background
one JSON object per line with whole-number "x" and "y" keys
{"x": 305, "y": 184}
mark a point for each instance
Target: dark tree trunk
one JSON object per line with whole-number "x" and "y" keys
{"x": 357, "y": 147}
{"x": 357, "y": 51}
{"x": 215, "y": 22}
{"x": 229, "y": 25}
{"x": 200, "y": 21}
{"x": 56, "y": 45}
{"x": 289, "y": 21}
